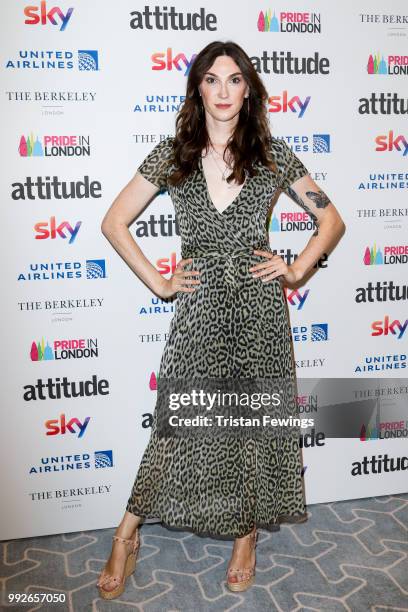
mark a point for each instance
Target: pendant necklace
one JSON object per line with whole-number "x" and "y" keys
{"x": 223, "y": 177}
{"x": 223, "y": 172}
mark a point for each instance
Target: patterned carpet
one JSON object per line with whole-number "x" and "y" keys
{"x": 349, "y": 556}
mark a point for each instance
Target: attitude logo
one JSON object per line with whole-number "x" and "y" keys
{"x": 385, "y": 328}
{"x": 163, "y": 18}
{"x": 390, "y": 255}
{"x": 77, "y": 461}
{"x": 389, "y": 143}
{"x": 50, "y": 229}
{"x": 383, "y": 104}
{"x": 61, "y": 426}
{"x": 155, "y": 227}
{"x": 63, "y": 388}
{"x": 63, "y": 270}
{"x": 52, "y": 188}
{"x": 394, "y": 64}
{"x": 295, "y": 23}
{"x": 86, "y": 59}
{"x": 382, "y": 291}
{"x": 284, "y": 62}
{"x": 378, "y": 464}
{"x": 78, "y": 348}
{"x": 166, "y": 61}
{"x": 54, "y": 146}
{"x": 40, "y": 14}
{"x": 281, "y": 104}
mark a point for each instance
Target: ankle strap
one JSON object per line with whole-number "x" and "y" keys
{"x": 134, "y": 543}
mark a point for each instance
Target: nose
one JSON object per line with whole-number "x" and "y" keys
{"x": 223, "y": 92}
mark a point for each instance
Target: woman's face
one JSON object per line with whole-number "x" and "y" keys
{"x": 223, "y": 89}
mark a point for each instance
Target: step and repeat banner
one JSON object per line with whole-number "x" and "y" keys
{"x": 89, "y": 88}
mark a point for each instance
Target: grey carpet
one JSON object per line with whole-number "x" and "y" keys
{"x": 349, "y": 556}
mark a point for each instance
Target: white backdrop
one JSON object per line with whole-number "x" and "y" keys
{"x": 94, "y": 90}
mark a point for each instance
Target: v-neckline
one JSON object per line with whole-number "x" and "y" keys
{"x": 201, "y": 168}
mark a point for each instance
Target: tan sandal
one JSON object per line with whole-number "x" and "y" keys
{"x": 247, "y": 574}
{"x": 129, "y": 569}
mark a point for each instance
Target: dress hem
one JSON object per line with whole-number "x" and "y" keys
{"x": 273, "y": 527}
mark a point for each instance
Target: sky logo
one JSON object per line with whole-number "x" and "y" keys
{"x": 166, "y": 61}
{"x": 281, "y": 104}
{"x": 296, "y": 297}
{"x": 384, "y": 328}
{"x": 61, "y": 426}
{"x": 88, "y": 60}
{"x": 95, "y": 268}
{"x": 50, "y": 229}
{"x": 40, "y": 14}
{"x": 389, "y": 143}
{"x": 103, "y": 459}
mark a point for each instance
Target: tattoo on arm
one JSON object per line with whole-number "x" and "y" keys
{"x": 319, "y": 198}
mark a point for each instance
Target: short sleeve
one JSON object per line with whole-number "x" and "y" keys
{"x": 290, "y": 167}
{"x": 155, "y": 166}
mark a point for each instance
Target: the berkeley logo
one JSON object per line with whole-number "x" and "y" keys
{"x": 40, "y": 14}
{"x": 163, "y": 18}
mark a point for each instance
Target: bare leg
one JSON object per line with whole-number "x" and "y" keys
{"x": 116, "y": 563}
{"x": 243, "y": 556}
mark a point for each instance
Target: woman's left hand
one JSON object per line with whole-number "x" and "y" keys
{"x": 272, "y": 268}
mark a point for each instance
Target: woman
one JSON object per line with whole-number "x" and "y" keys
{"x": 224, "y": 172}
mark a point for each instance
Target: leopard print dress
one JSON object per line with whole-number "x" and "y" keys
{"x": 232, "y": 326}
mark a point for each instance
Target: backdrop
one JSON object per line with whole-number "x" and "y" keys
{"x": 88, "y": 89}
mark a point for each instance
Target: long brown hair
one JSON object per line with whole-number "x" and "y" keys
{"x": 251, "y": 138}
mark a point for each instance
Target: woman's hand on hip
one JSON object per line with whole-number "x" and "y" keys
{"x": 273, "y": 267}
{"x": 180, "y": 280}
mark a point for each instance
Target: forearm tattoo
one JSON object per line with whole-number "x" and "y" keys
{"x": 319, "y": 198}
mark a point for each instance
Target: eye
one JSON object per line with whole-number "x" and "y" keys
{"x": 236, "y": 80}
{"x": 210, "y": 80}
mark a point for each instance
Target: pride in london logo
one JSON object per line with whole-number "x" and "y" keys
{"x": 54, "y": 146}
{"x": 374, "y": 256}
{"x": 294, "y": 22}
{"x": 394, "y": 64}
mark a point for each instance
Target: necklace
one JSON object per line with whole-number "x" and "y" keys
{"x": 223, "y": 172}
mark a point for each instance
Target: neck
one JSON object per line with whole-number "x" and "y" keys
{"x": 219, "y": 132}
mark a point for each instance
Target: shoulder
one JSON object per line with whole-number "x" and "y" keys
{"x": 165, "y": 146}
{"x": 280, "y": 150}
{"x": 290, "y": 166}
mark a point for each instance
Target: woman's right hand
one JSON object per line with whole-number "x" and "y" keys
{"x": 179, "y": 280}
